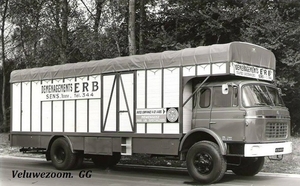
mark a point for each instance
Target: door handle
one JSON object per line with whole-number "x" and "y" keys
{"x": 212, "y": 122}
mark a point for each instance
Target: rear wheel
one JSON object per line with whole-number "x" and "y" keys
{"x": 101, "y": 160}
{"x": 105, "y": 161}
{"x": 61, "y": 154}
{"x": 79, "y": 161}
{"x": 249, "y": 166}
{"x": 205, "y": 163}
{"x": 115, "y": 159}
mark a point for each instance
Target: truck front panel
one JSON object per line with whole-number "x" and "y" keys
{"x": 268, "y": 124}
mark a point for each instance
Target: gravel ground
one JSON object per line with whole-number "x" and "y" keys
{"x": 290, "y": 163}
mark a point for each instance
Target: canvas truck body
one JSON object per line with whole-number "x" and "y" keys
{"x": 160, "y": 104}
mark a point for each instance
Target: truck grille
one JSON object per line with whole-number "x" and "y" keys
{"x": 276, "y": 130}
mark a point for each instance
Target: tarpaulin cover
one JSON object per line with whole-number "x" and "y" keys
{"x": 240, "y": 52}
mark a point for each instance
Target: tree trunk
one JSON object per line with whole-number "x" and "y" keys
{"x": 118, "y": 46}
{"x": 131, "y": 28}
{"x": 36, "y": 29}
{"x": 64, "y": 31}
{"x": 99, "y": 5}
{"x": 4, "y": 109}
{"x": 142, "y": 26}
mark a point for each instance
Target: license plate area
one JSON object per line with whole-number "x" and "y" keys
{"x": 281, "y": 149}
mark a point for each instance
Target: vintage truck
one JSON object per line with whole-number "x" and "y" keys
{"x": 216, "y": 107}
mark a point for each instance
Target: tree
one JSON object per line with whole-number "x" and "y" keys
{"x": 4, "y": 15}
{"x": 96, "y": 17}
{"x": 131, "y": 28}
{"x": 59, "y": 15}
{"x": 142, "y": 26}
{"x": 29, "y": 29}
{"x": 64, "y": 31}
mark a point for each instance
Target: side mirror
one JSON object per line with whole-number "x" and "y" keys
{"x": 225, "y": 89}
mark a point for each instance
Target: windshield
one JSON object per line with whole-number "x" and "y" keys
{"x": 256, "y": 95}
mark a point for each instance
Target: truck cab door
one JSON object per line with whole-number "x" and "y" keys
{"x": 202, "y": 108}
{"x": 227, "y": 120}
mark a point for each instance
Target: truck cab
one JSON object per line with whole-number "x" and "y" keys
{"x": 248, "y": 116}
{"x": 244, "y": 111}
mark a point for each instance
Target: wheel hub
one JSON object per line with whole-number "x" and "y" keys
{"x": 60, "y": 155}
{"x": 203, "y": 162}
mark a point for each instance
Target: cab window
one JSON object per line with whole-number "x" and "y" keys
{"x": 205, "y": 97}
{"x": 224, "y": 100}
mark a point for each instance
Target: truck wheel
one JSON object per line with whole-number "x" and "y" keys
{"x": 101, "y": 161}
{"x": 205, "y": 163}
{"x": 249, "y": 166}
{"x": 61, "y": 154}
{"x": 105, "y": 161}
{"x": 115, "y": 159}
{"x": 79, "y": 161}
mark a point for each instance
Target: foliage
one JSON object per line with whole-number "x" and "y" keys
{"x": 99, "y": 29}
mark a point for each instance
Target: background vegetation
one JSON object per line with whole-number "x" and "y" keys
{"x": 36, "y": 33}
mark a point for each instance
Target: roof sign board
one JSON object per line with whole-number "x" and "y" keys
{"x": 251, "y": 71}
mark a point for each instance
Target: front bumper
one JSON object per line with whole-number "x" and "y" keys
{"x": 267, "y": 149}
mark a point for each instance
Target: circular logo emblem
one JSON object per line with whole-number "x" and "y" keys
{"x": 172, "y": 115}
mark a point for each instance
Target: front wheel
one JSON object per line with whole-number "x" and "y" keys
{"x": 249, "y": 166}
{"x": 205, "y": 163}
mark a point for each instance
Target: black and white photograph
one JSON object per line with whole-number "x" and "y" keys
{"x": 150, "y": 92}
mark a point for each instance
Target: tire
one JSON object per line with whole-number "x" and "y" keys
{"x": 101, "y": 161}
{"x": 115, "y": 159}
{"x": 205, "y": 163}
{"x": 104, "y": 161}
{"x": 249, "y": 166}
{"x": 61, "y": 154}
{"x": 79, "y": 161}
